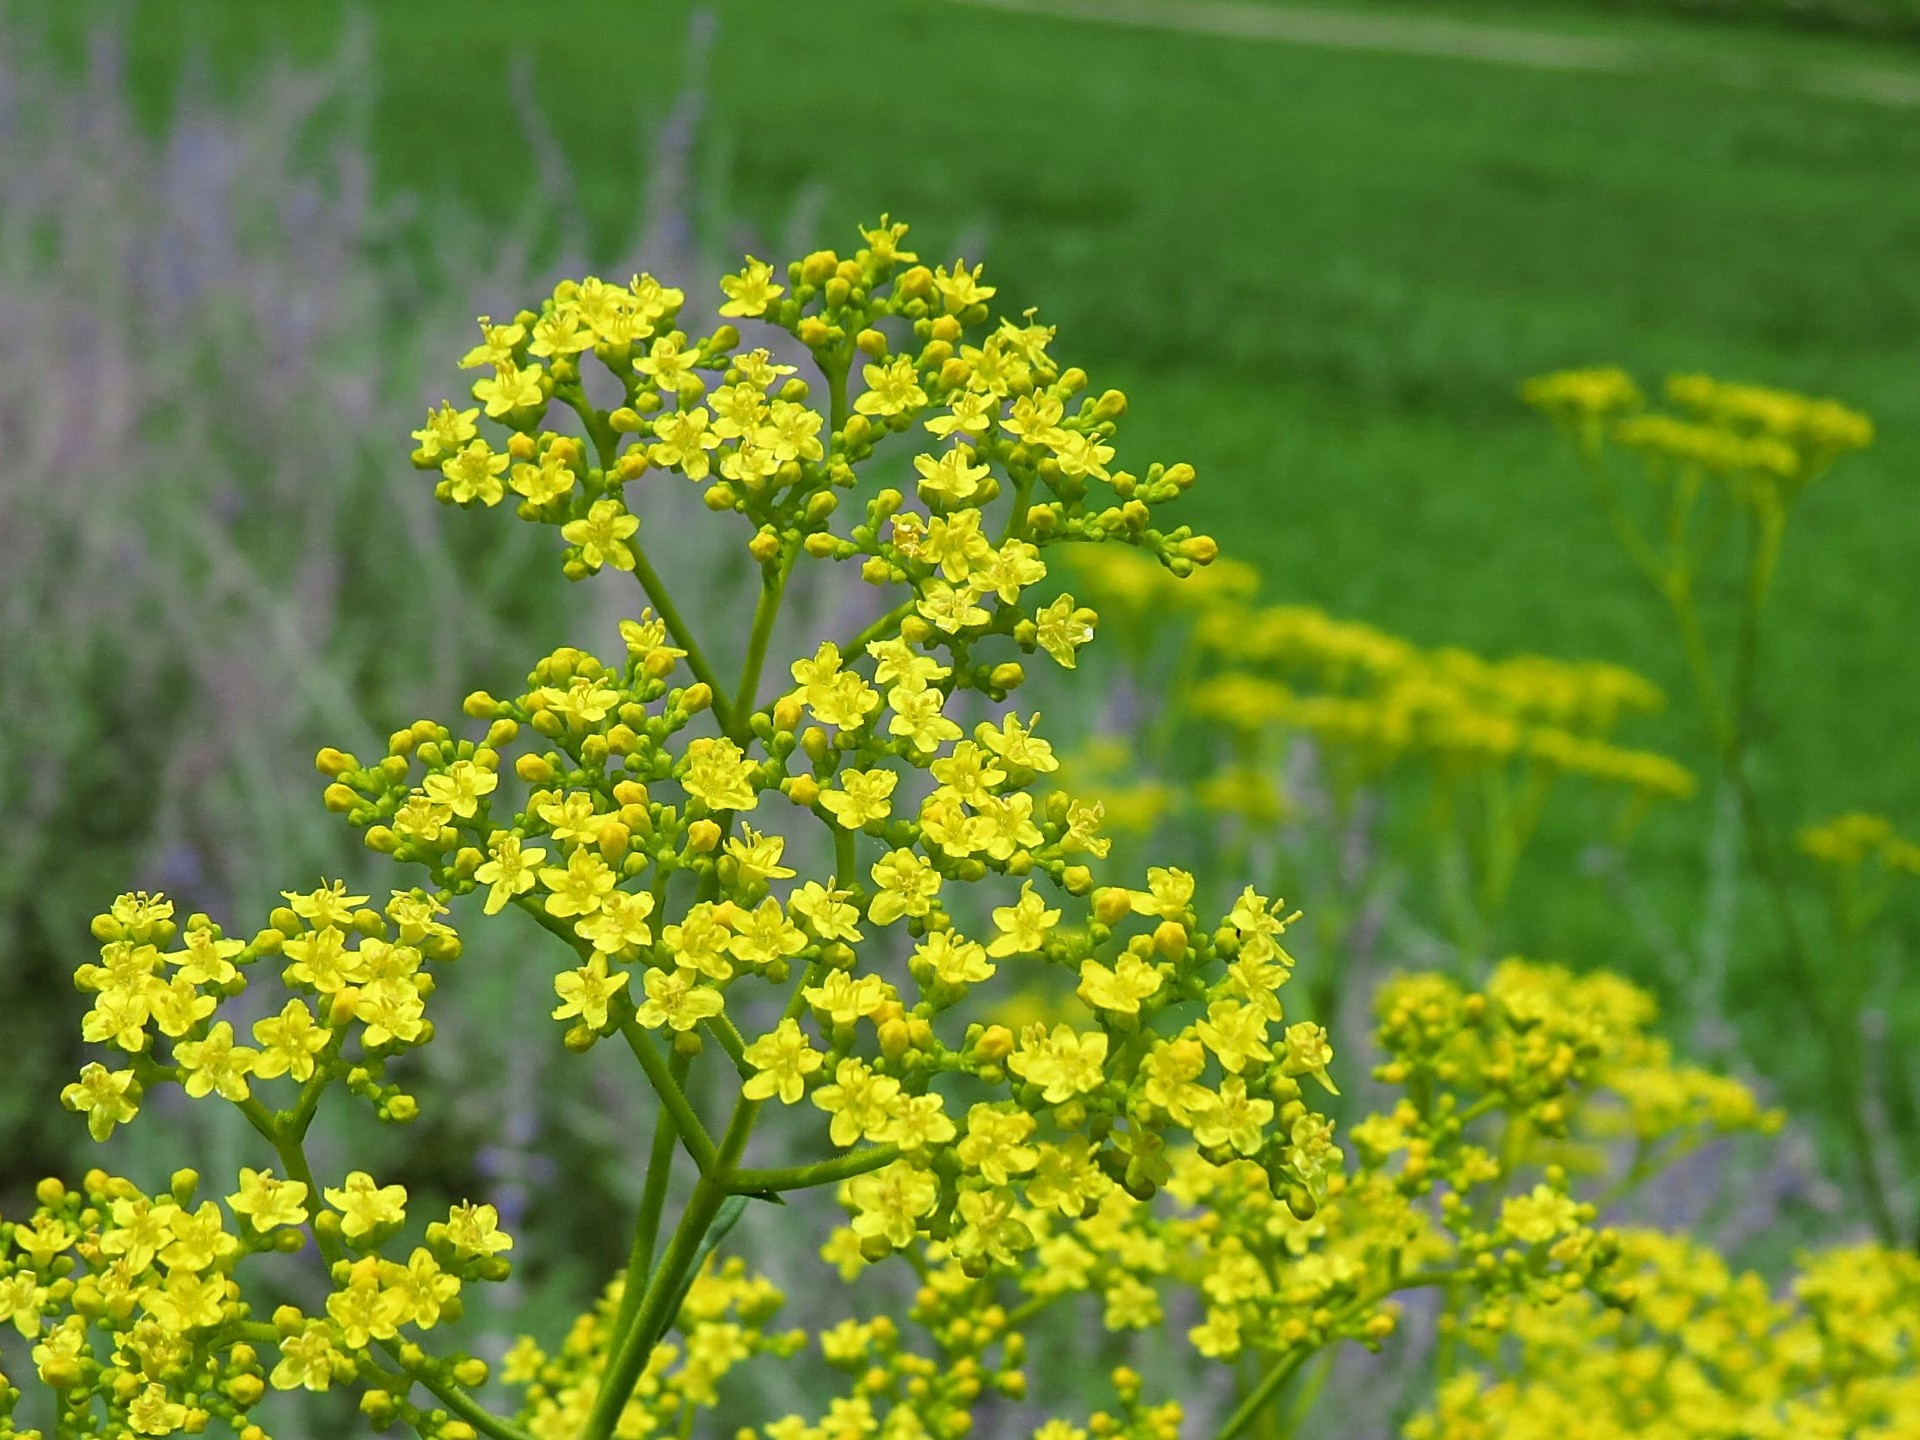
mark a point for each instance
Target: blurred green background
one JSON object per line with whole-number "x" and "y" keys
{"x": 1320, "y": 249}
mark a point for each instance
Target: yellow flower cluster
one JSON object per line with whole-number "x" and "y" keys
{"x": 724, "y": 1319}
{"x": 1767, "y": 444}
{"x": 134, "y": 1309}
{"x": 1374, "y": 699}
{"x": 356, "y": 982}
{"x": 1701, "y": 1353}
{"x": 802, "y": 896}
{"x": 1856, "y": 839}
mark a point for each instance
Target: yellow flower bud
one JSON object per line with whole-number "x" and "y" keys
{"x": 703, "y": 836}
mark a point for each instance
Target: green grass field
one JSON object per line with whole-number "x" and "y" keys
{"x": 1320, "y": 273}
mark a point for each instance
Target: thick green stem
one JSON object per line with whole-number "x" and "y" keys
{"x": 653, "y": 1200}
{"x": 630, "y": 1356}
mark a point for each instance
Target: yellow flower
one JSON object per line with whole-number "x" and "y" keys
{"x": 1016, "y": 743}
{"x": 216, "y": 1064}
{"x": 826, "y": 911}
{"x": 889, "y": 1202}
{"x": 995, "y": 1145}
{"x": 580, "y": 887}
{"x": 861, "y": 799}
{"x": 307, "y": 1359}
{"x": 892, "y": 389}
{"x": 460, "y": 787}
{"x": 268, "y": 1202}
{"x": 860, "y": 1102}
{"x": 907, "y": 885}
{"x": 844, "y": 999}
{"x": 782, "y": 1060}
{"x": 602, "y": 535}
{"x": 620, "y": 925}
{"x": 953, "y": 959}
{"x": 961, "y": 288}
{"x": 1308, "y": 1053}
{"x": 288, "y": 1042}
{"x": 586, "y": 992}
{"x": 510, "y": 388}
{"x": 446, "y": 430}
{"x": 951, "y": 479}
{"x": 475, "y": 1230}
{"x": 1232, "y": 1118}
{"x": 719, "y": 775}
{"x": 1536, "y": 1218}
{"x": 547, "y": 481}
{"x": 682, "y": 440}
{"x": 365, "y": 1206}
{"x": 511, "y": 871}
{"x": 1023, "y": 926}
{"x": 328, "y": 905}
{"x": 473, "y": 473}
{"x": 751, "y": 291}
{"x": 1167, "y": 895}
{"x": 917, "y": 717}
{"x": 106, "y": 1097}
{"x": 764, "y": 935}
{"x": 674, "y": 1000}
{"x": 1061, "y": 630}
{"x": 1064, "y": 1064}
{"x": 757, "y": 857}
{"x": 1121, "y": 988}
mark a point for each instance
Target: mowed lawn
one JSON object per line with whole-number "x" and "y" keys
{"x": 1320, "y": 274}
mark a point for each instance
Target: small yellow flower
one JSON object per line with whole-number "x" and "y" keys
{"x": 587, "y": 990}
{"x": 676, "y": 1001}
{"x": 602, "y": 536}
{"x": 782, "y": 1060}
{"x": 751, "y": 291}
{"x": 268, "y": 1202}
{"x": 216, "y": 1064}
{"x": 365, "y": 1206}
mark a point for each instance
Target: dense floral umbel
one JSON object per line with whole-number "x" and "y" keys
{"x": 1703, "y": 1353}
{"x": 812, "y": 897}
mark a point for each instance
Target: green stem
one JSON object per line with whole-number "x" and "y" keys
{"x": 773, "y": 586}
{"x": 733, "y": 1042}
{"x": 805, "y": 1177}
{"x": 879, "y": 628}
{"x": 653, "y": 1200}
{"x": 630, "y": 1356}
{"x": 656, "y": 589}
{"x": 836, "y": 374}
{"x": 693, "y": 1135}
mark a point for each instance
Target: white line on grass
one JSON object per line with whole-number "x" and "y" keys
{"x": 1471, "y": 40}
